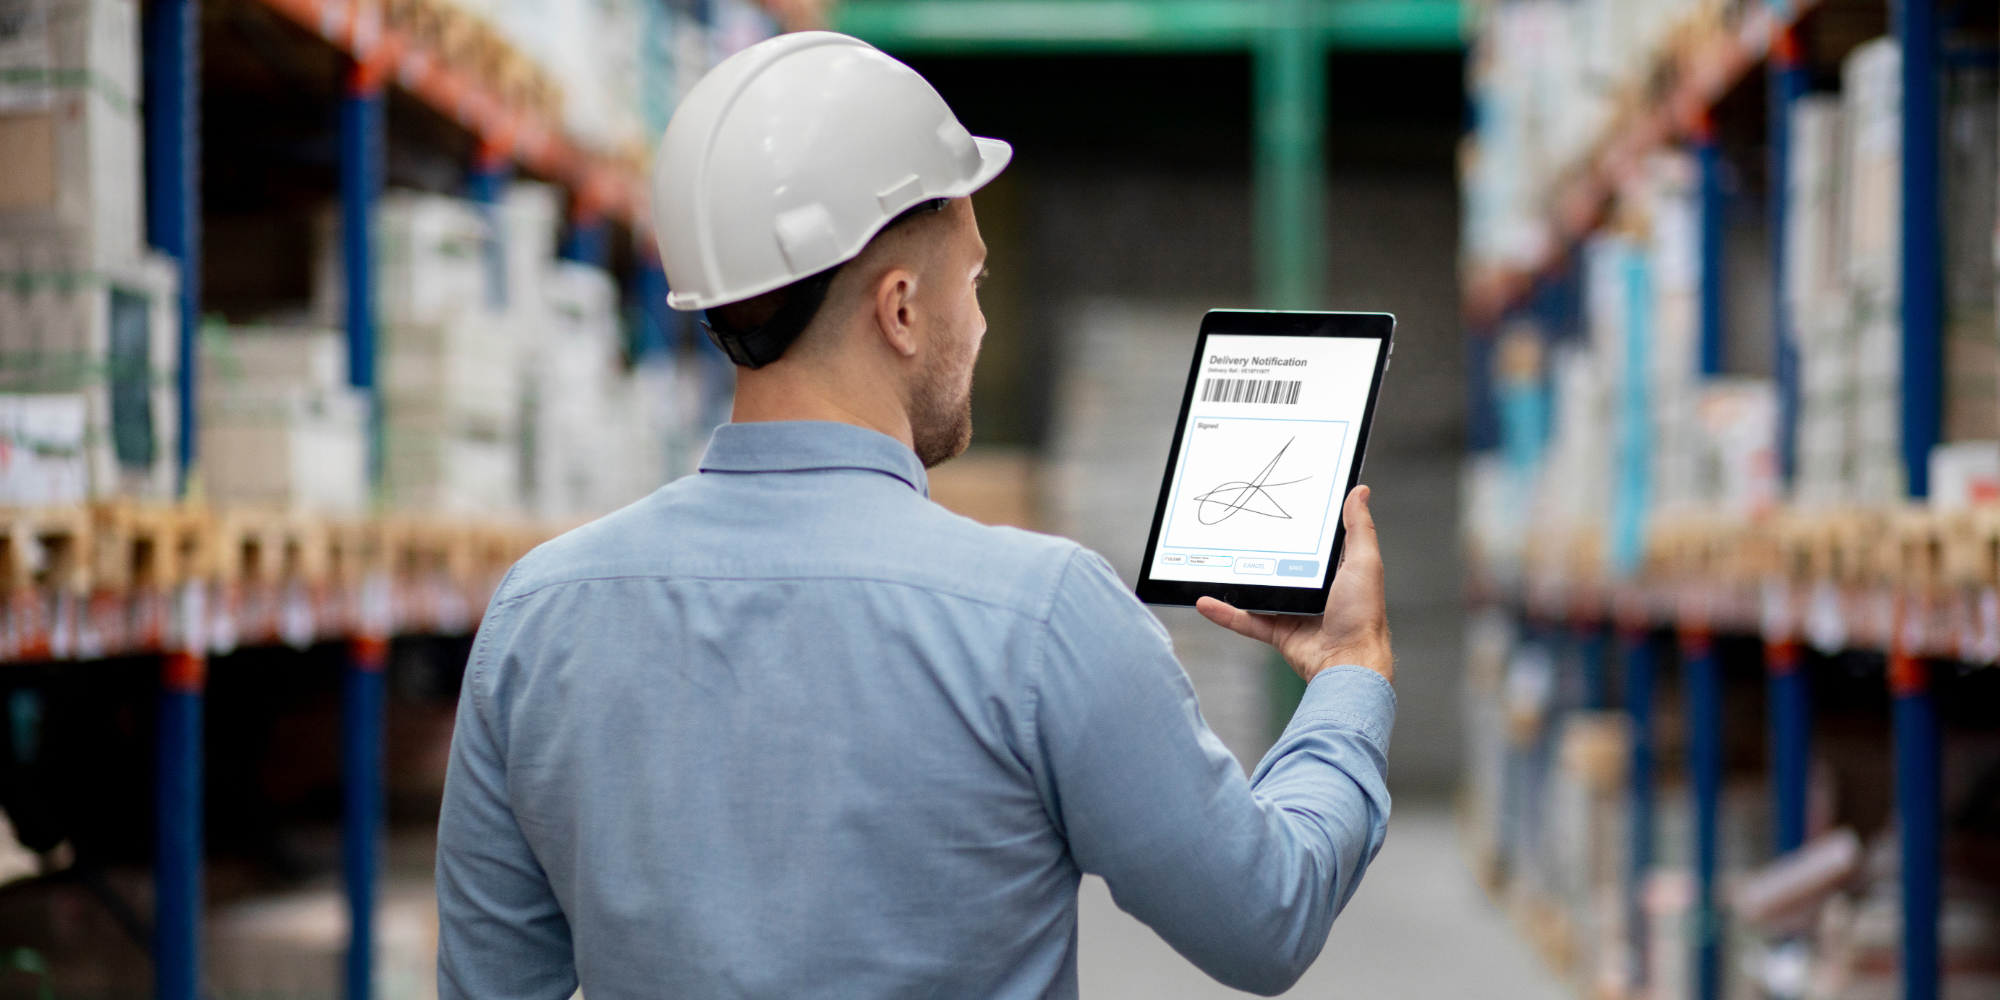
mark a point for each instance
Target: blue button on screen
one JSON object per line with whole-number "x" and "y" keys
{"x": 1298, "y": 567}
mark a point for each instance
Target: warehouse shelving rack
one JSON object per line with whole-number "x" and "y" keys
{"x": 382, "y": 46}
{"x": 1703, "y": 74}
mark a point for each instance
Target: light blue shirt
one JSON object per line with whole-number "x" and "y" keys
{"x": 789, "y": 729}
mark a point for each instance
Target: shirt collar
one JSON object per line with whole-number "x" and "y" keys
{"x": 811, "y": 445}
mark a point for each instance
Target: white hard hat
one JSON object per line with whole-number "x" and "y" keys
{"x": 791, "y": 154}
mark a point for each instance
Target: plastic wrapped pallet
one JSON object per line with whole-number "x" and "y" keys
{"x": 281, "y": 427}
{"x": 580, "y": 415}
{"x": 43, "y": 458}
{"x": 451, "y": 418}
{"x": 1972, "y": 344}
{"x": 70, "y": 131}
{"x": 1738, "y": 453}
{"x": 1671, "y": 203}
{"x": 1817, "y": 302}
{"x": 448, "y": 364}
{"x": 1573, "y": 493}
{"x": 528, "y": 218}
{"x": 111, "y": 338}
{"x": 1873, "y": 95}
{"x": 431, "y": 268}
{"x": 1964, "y": 474}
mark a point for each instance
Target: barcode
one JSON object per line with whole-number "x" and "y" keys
{"x": 1249, "y": 390}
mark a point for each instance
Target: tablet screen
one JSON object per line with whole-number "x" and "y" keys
{"x": 1267, "y": 450}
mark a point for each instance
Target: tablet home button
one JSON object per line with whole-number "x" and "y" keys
{"x": 1229, "y": 597}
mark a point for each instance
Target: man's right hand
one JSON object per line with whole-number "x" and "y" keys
{"x": 1354, "y": 630}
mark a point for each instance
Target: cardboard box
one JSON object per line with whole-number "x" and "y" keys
{"x": 70, "y": 144}
{"x": 110, "y": 336}
{"x": 281, "y": 427}
{"x": 431, "y": 267}
{"x": 450, "y": 474}
{"x": 43, "y": 458}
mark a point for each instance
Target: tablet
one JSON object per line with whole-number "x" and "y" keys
{"x": 1272, "y": 430}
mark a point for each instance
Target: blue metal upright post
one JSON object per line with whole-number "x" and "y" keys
{"x": 362, "y": 697}
{"x": 361, "y": 159}
{"x": 171, "y": 36}
{"x": 1919, "y": 821}
{"x": 486, "y": 185}
{"x": 1636, "y": 650}
{"x": 1589, "y": 639}
{"x": 172, "y": 39}
{"x": 1918, "y": 794}
{"x": 1713, "y": 201}
{"x": 589, "y": 239}
{"x": 1923, "y": 243}
{"x": 1790, "y": 696}
{"x": 1701, "y": 667}
{"x": 177, "y": 831}
{"x": 659, "y": 335}
{"x": 1787, "y": 685}
{"x": 1702, "y": 678}
{"x": 1787, "y": 83}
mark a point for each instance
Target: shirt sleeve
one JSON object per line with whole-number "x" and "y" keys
{"x": 501, "y": 932}
{"x": 1243, "y": 877}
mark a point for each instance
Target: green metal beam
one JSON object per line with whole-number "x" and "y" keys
{"x": 1136, "y": 26}
{"x": 1287, "y": 40}
{"x": 1289, "y": 189}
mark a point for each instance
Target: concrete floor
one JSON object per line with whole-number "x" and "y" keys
{"x": 1418, "y": 929}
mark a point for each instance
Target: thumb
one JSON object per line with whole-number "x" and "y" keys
{"x": 1361, "y": 543}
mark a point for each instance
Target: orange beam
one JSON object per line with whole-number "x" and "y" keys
{"x": 1703, "y": 74}
{"x": 530, "y": 139}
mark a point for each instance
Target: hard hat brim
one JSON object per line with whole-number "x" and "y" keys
{"x": 994, "y": 155}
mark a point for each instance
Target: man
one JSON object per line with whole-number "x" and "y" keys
{"x": 788, "y": 729}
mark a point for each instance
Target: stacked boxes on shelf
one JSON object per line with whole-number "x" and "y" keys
{"x": 281, "y": 426}
{"x": 1630, "y": 408}
{"x": 89, "y": 324}
{"x": 1636, "y": 432}
{"x": 592, "y": 451}
{"x": 504, "y": 390}
{"x": 1872, "y": 177}
{"x": 1546, "y": 80}
{"x": 1843, "y": 280}
{"x": 1816, "y": 301}
{"x": 449, "y": 365}
{"x": 1972, "y": 187}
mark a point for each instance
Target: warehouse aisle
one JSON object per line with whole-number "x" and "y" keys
{"x": 1419, "y": 928}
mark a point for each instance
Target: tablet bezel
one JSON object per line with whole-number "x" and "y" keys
{"x": 1244, "y": 322}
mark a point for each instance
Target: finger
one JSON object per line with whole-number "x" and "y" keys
{"x": 1234, "y": 619}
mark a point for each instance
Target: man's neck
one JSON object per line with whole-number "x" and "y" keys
{"x": 785, "y": 391}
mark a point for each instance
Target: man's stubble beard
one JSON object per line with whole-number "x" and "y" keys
{"x": 941, "y": 410}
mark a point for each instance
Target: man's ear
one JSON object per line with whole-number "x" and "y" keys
{"x": 895, "y": 310}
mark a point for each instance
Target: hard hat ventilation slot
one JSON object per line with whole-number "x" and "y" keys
{"x": 806, "y": 236}
{"x": 903, "y": 195}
